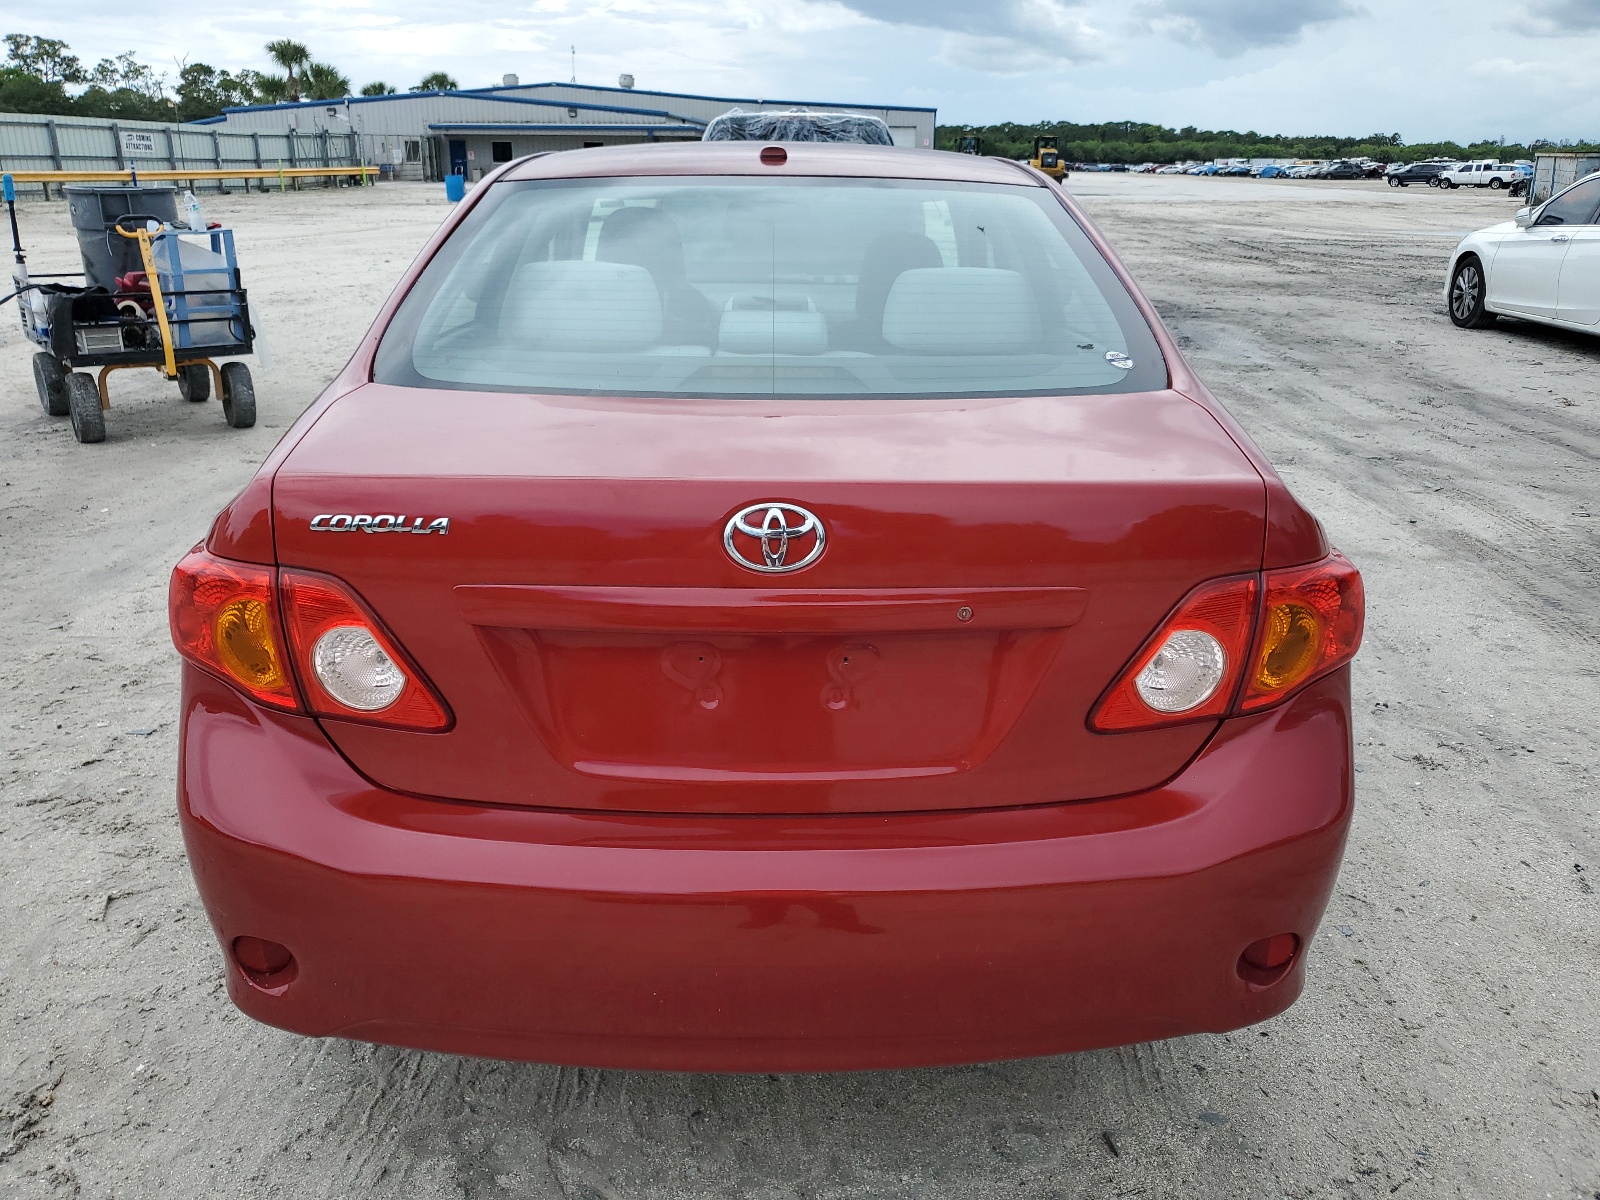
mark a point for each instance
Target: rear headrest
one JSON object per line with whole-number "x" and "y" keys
{"x": 582, "y": 306}
{"x": 887, "y": 258}
{"x": 753, "y": 326}
{"x": 645, "y": 237}
{"x": 960, "y": 310}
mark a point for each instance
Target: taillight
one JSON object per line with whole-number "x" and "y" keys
{"x": 1190, "y": 669}
{"x": 349, "y": 666}
{"x": 240, "y": 621}
{"x": 1260, "y": 638}
{"x": 224, "y": 618}
{"x": 1311, "y": 619}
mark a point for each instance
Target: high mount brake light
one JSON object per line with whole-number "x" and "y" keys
{"x": 349, "y": 666}
{"x": 224, "y": 618}
{"x": 1311, "y": 624}
{"x": 1279, "y": 631}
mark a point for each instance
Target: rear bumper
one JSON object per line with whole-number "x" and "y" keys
{"x": 762, "y": 943}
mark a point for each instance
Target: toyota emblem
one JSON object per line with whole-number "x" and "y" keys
{"x": 773, "y": 538}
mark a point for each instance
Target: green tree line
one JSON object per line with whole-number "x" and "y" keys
{"x": 1139, "y": 142}
{"x": 43, "y": 75}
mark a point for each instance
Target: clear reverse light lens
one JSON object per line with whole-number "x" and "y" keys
{"x": 354, "y": 669}
{"x": 1184, "y": 673}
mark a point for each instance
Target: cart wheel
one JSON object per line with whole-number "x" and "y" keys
{"x": 51, "y": 379}
{"x": 238, "y": 396}
{"x": 83, "y": 399}
{"x": 194, "y": 382}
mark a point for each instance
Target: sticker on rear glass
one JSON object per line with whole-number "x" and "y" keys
{"x": 1117, "y": 359}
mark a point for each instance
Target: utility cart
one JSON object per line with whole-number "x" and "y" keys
{"x": 155, "y": 293}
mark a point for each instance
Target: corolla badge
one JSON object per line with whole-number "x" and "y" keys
{"x": 774, "y": 538}
{"x": 377, "y": 523}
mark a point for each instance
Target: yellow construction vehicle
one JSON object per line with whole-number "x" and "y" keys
{"x": 1047, "y": 158}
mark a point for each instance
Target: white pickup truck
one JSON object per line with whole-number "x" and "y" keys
{"x": 1487, "y": 173}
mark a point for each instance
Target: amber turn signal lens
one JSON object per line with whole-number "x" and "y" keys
{"x": 1288, "y": 646}
{"x": 1311, "y": 625}
{"x": 224, "y": 618}
{"x": 245, "y": 645}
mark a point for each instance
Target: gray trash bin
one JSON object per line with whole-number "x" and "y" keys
{"x": 95, "y": 208}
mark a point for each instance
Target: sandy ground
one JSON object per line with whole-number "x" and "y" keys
{"x": 1448, "y": 1043}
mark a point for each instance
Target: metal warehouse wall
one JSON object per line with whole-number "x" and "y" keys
{"x": 38, "y": 143}
{"x": 394, "y": 128}
{"x": 385, "y": 122}
{"x": 704, "y": 108}
{"x": 1552, "y": 172}
{"x": 410, "y": 116}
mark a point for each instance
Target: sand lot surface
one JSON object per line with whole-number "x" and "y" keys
{"x": 1448, "y": 1042}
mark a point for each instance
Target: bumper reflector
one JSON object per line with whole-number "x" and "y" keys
{"x": 1266, "y": 961}
{"x": 268, "y": 965}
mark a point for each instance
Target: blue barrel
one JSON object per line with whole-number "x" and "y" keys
{"x": 455, "y": 187}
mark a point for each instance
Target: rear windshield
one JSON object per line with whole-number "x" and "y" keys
{"x": 795, "y": 288}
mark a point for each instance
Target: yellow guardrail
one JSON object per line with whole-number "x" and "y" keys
{"x": 281, "y": 174}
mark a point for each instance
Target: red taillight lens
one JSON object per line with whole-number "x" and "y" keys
{"x": 1311, "y": 619}
{"x": 1278, "y": 631}
{"x": 1190, "y": 669}
{"x": 349, "y": 666}
{"x": 224, "y": 618}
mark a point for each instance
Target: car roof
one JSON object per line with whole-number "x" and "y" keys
{"x": 744, "y": 158}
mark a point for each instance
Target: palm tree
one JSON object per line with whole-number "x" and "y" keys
{"x": 324, "y": 82}
{"x": 437, "y": 81}
{"x": 269, "y": 89}
{"x": 289, "y": 54}
{"x": 377, "y": 88}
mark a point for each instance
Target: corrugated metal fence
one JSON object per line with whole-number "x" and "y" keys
{"x": 1552, "y": 172}
{"x": 39, "y": 143}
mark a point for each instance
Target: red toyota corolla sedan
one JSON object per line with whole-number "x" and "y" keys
{"x": 758, "y": 608}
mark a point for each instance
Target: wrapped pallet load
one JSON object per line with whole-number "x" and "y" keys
{"x": 797, "y": 126}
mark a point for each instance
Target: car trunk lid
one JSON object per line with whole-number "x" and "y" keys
{"x": 989, "y": 567}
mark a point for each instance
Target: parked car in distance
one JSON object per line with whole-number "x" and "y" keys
{"x": 1426, "y": 173}
{"x": 1273, "y": 171}
{"x": 681, "y": 640}
{"x": 1171, "y": 169}
{"x": 1543, "y": 265}
{"x": 1341, "y": 170}
{"x": 1236, "y": 169}
{"x": 1487, "y": 174}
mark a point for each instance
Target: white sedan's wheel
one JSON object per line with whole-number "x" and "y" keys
{"x": 1468, "y": 290}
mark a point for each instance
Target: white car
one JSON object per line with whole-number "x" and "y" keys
{"x": 1542, "y": 266}
{"x": 1487, "y": 173}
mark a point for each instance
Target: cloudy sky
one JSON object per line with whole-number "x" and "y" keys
{"x": 1427, "y": 69}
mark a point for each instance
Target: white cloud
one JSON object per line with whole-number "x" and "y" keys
{"x": 1279, "y": 66}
